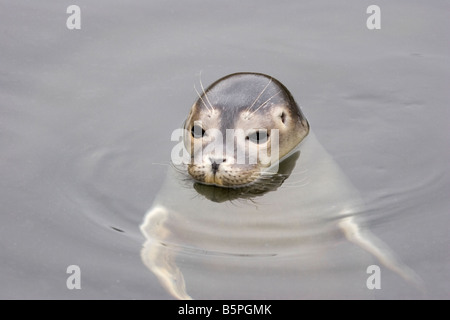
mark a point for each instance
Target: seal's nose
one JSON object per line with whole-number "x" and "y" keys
{"x": 215, "y": 163}
{"x": 215, "y": 167}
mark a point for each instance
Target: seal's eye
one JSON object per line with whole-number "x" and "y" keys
{"x": 197, "y": 131}
{"x": 258, "y": 137}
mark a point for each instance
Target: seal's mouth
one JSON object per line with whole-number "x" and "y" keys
{"x": 223, "y": 174}
{"x": 260, "y": 184}
{"x": 229, "y": 175}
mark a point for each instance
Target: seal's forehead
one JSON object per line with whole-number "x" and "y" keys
{"x": 203, "y": 112}
{"x": 243, "y": 96}
{"x": 246, "y": 91}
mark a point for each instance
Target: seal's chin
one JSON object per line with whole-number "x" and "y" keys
{"x": 225, "y": 175}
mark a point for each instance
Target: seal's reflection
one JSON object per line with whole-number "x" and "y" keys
{"x": 159, "y": 254}
{"x": 201, "y": 223}
{"x": 267, "y": 184}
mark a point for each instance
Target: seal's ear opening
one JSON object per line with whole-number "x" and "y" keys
{"x": 283, "y": 117}
{"x": 259, "y": 188}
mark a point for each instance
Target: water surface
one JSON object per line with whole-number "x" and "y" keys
{"x": 86, "y": 118}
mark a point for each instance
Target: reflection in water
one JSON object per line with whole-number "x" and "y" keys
{"x": 160, "y": 256}
{"x": 252, "y": 227}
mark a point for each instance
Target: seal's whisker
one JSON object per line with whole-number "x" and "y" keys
{"x": 269, "y": 179}
{"x": 297, "y": 173}
{"x": 264, "y": 103}
{"x": 257, "y": 98}
{"x": 204, "y": 92}
{"x": 286, "y": 185}
{"x": 179, "y": 169}
{"x": 161, "y": 164}
{"x": 298, "y": 182}
{"x": 202, "y": 99}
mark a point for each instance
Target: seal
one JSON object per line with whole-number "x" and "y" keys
{"x": 292, "y": 206}
{"x": 255, "y": 105}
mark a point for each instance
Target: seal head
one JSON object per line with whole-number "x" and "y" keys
{"x": 241, "y": 125}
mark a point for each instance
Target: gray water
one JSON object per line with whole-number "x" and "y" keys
{"x": 86, "y": 117}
